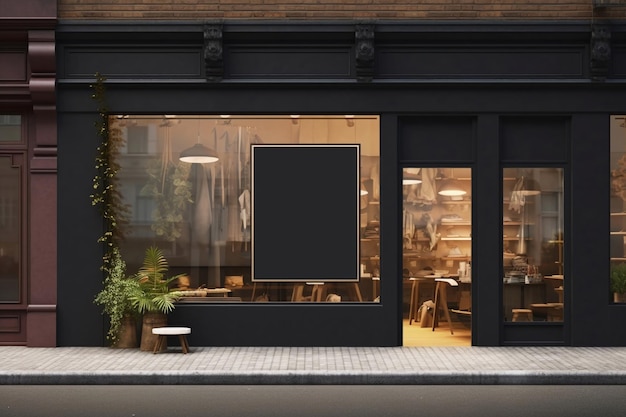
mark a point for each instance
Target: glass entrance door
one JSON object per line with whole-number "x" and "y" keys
{"x": 437, "y": 256}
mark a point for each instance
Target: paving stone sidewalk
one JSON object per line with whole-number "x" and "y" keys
{"x": 314, "y": 365}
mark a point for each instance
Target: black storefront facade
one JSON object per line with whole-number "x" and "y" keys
{"x": 484, "y": 96}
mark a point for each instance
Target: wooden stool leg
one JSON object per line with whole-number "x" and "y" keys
{"x": 183, "y": 342}
{"x": 436, "y": 309}
{"x": 296, "y": 294}
{"x": 357, "y": 292}
{"x": 413, "y": 303}
{"x": 441, "y": 301}
{"x": 158, "y": 344}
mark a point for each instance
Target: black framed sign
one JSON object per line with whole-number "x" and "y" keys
{"x": 305, "y": 213}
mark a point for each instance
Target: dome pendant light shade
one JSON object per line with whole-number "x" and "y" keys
{"x": 199, "y": 154}
{"x": 411, "y": 176}
{"x": 411, "y": 181}
{"x": 451, "y": 188}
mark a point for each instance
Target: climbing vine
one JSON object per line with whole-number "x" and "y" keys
{"x": 106, "y": 193}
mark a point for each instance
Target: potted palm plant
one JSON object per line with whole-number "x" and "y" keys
{"x": 115, "y": 300}
{"x": 152, "y": 295}
{"x": 618, "y": 282}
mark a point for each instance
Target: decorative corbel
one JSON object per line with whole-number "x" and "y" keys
{"x": 213, "y": 52}
{"x": 42, "y": 61}
{"x": 364, "y": 51}
{"x": 600, "y": 51}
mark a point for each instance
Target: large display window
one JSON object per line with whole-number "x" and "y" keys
{"x": 186, "y": 183}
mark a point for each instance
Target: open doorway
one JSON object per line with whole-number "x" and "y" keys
{"x": 437, "y": 254}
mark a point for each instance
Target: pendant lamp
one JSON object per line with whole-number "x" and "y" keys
{"x": 198, "y": 153}
{"x": 451, "y": 187}
{"x": 410, "y": 176}
{"x": 409, "y": 180}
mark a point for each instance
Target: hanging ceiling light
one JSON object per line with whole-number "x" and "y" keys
{"x": 451, "y": 187}
{"x": 411, "y": 179}
{"x": 411, "y": 176}
{"x": 198, "y": 153}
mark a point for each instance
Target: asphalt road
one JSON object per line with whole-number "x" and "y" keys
{"x": 312, "y": 401}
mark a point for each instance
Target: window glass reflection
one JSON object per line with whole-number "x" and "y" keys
{"x": 198, "y": 211}
{"x": 533, "y": 244}
{"x": 617, "y": 283}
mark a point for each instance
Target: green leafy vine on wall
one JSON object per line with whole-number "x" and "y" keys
{"x": 106, "y": 192}
{"x": 114, "y": 297}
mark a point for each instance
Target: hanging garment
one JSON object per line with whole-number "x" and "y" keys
{"x": 375, "y": 176}
{"x": 517, "y": 198}
{"x": 428, "y": 189}
{"x": 245, "y": 212}
{"x": 408, "y": 229}
{"x": 203, "y": 210}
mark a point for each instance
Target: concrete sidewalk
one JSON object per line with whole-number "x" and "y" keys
{"x": 314, "y": 365}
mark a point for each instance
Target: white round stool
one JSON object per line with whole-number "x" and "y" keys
{"x": 163, "y": 332}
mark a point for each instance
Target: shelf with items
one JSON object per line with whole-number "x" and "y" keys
{"x": 456, "y": 202}
{"x": 422, "y": 255}
{"x": 456, "y": 258}
{"x": 455, "y": 223}
{"x": 437, "y": 228}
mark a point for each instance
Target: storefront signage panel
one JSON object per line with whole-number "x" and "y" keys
{"x": 305, "y": 213}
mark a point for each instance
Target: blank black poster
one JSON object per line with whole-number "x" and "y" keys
{"x": 305, "y": 213}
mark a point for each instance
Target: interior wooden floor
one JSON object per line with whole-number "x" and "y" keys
{"x": 414, "y": 335}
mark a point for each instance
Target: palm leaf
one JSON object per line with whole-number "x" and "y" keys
{"x": 153, "y": 292}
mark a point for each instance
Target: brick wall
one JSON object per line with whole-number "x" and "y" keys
{"x": 333, "y": 9}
